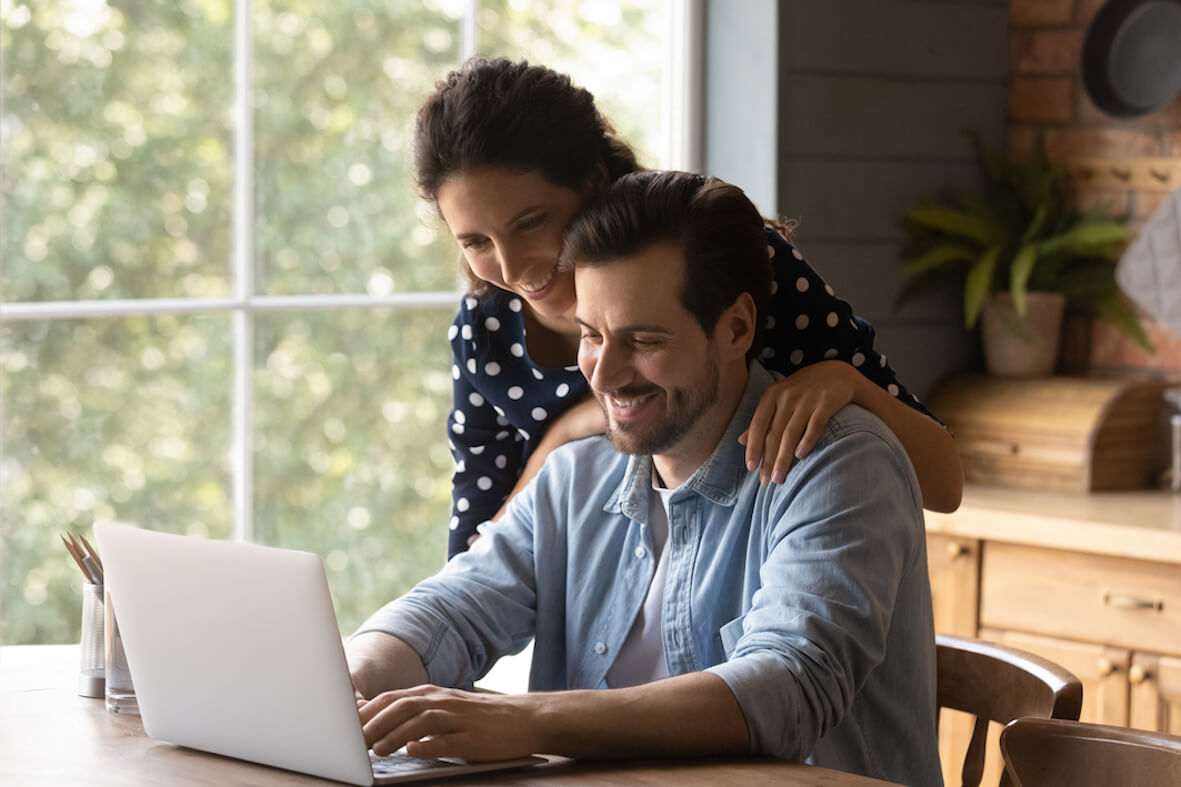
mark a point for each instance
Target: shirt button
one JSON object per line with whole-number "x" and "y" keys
{"x": 600, "y": 648}
{"x": 640, "y": 552}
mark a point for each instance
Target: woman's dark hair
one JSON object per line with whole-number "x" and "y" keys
{"x": 718, "y": 228}
{"x": 515, "y": 115}
{"x": 511, "y": 114}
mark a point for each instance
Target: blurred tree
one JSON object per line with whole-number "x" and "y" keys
{"x": 117, "y": 170}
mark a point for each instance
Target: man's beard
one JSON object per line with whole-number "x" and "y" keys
{"x": 684, "y": 407}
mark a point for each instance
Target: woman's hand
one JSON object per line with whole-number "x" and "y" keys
{"x": 792, "y": 415}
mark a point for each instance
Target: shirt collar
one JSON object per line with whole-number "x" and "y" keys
{"x": 717, "y": 479}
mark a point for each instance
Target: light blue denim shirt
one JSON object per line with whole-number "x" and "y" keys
{"x": 809, "y": 598}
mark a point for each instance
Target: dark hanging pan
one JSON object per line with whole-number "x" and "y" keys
{"x": 1132, "y": 56}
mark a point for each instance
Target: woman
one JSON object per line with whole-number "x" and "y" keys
{"x": 509, "y": 153}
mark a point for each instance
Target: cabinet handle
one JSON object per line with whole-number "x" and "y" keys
{"x": 1137, "y": 675}
{"x": 1106, "y": 666}
{"x": 1126, "y": 601}
{"x": 956, "y": 550}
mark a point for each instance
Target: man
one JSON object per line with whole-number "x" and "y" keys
{"x": 794, "y": 619}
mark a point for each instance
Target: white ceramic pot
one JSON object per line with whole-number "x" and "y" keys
{"x": 1022, "y": 346}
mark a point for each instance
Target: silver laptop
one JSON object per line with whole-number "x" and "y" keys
{"x": 234, "y": 649}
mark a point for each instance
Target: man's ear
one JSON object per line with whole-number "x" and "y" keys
{"x": 736, "y": 327}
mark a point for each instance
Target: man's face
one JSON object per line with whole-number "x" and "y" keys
{"x": 649, "y": 363}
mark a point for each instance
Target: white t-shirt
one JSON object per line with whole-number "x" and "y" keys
{"x": 641, "y": 659}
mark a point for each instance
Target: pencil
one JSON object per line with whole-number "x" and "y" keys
{"x": 93, "y": 554}
{"x": 77, "y": 559}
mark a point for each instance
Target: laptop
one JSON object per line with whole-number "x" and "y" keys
{"x": 234, "y": 649}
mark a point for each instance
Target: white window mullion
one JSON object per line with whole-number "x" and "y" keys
{"x": 243, "y": 276}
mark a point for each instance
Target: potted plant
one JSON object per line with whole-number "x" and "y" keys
{"x": 1022, "y": 250}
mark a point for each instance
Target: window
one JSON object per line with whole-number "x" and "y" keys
{"x": 223, "y": 308}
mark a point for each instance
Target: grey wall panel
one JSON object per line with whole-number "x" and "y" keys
{"x": 924, "y": 353}
{"x": 847, "y": 200}
{"x": 932, "y": 39}
{"x": 859, "y": 117}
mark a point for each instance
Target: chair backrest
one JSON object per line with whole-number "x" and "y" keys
{"x": 998, "y": 683}
{"x": 1060, "y": 753}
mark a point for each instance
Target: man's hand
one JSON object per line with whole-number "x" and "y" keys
{"x": 435, "y": 722}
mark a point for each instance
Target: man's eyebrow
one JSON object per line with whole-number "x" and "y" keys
{"x": 512, "y": 220}
{"x": 639, "y": 327}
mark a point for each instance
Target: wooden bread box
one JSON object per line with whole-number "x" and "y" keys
{"x": 1056, "y": 434}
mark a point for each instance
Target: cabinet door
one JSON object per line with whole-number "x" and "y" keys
{"x": 1156, "y": 693}
{"x": 1102, "y": 669}
{"x": 954, "y": 566}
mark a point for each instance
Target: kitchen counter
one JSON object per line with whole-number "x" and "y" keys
{"x": 1143, "y": 524}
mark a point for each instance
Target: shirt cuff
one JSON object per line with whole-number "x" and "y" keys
{"x": 440, "y": 648}
{"x": 763, "y": 686}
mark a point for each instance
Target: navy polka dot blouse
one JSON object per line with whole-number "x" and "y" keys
{"x": 503, "y": 401}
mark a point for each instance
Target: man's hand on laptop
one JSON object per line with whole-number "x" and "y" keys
{"x": 435, "y": 722}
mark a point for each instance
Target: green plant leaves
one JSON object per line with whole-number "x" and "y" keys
{"x": 1019, "y": 272}
{"x": 955, "y": 222}
{"x": 979, "y": 285}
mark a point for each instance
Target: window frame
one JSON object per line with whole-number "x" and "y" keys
{"x": 681, "y": 125}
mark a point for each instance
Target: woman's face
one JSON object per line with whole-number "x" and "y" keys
{"x": 509, "y": 227}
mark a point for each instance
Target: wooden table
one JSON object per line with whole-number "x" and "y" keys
{"x": 51, "y": 736}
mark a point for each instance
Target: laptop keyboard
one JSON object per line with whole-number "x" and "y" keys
{"x": 399, "y": 764}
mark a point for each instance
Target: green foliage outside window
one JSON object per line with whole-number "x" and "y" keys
{"x": 118, "y": 174}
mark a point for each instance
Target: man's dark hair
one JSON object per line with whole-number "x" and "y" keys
{"x": 718, "y": 228}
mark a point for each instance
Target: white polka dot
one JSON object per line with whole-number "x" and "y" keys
{"x": 537, "y": 374}
{"x": 459, "y": 417}
{"x": 501, "y": 420}
{"x": 492, "y": 324}
{"x": 467, "y": 332}
{"x": 498, "y": 410}
{"x": 802, "y": 284}
{"x": 454, "y": 523}
{"x": 452, "y": 332}
{"x": 516, "y": 349}
{"x": 501, "y": 462}
{"x": 893, "y": 389}
{"x": 484, "y": 482}
{"x": 774, "y": 286}
{"x": 770, "y": 251}
{"x": 515, "y": 304}
{"x": 828, "y": 288}
{"x": 563, "y": 389}
{"x": 492, "y": 368}
{"x": 858, "y": 359}
{"x": 573, "y": 368}
{"x": 539, "y": 414}
{"x": 768, "y": 352}
{"x": 502, "y": 435}
{"x": 471, "y": 365}
{"x": 796, "y": 253}
{"x": 516, "y": 392}
{"x": 460, "y": 466}
{"x": 462, "y": 504}
{"x": 770, "y": 323}
{"x": 477, "y": 450}
{"x": 802, "y": 322}
{"x": 475, "y": 399}
{"x": 457, "y": 428}
{"x": 796, "y": 357}
{"x": 883, "y": 361}
{"x": 854, "y": 325}
{"x": 830, "y": 353}
{"x": 832, "y": 319}
{"x": 522, "y": 434}
{"x": 470, "y": 302}
{"x": 454, "y": 372}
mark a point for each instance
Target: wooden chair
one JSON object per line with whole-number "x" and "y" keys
{"x": 1058, "y": 753}
{"x": 998, "y": 683}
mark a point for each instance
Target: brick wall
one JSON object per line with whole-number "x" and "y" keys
{"x": 1122, "y": 166}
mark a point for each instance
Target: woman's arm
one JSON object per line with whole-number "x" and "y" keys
{"x": 793, "y": 413}
{"x": 582, "y": 420}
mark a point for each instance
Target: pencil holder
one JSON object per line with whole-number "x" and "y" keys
{"x": 92, "y": 669}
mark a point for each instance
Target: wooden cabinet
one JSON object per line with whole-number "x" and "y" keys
{"x": 1090, "y": 582}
